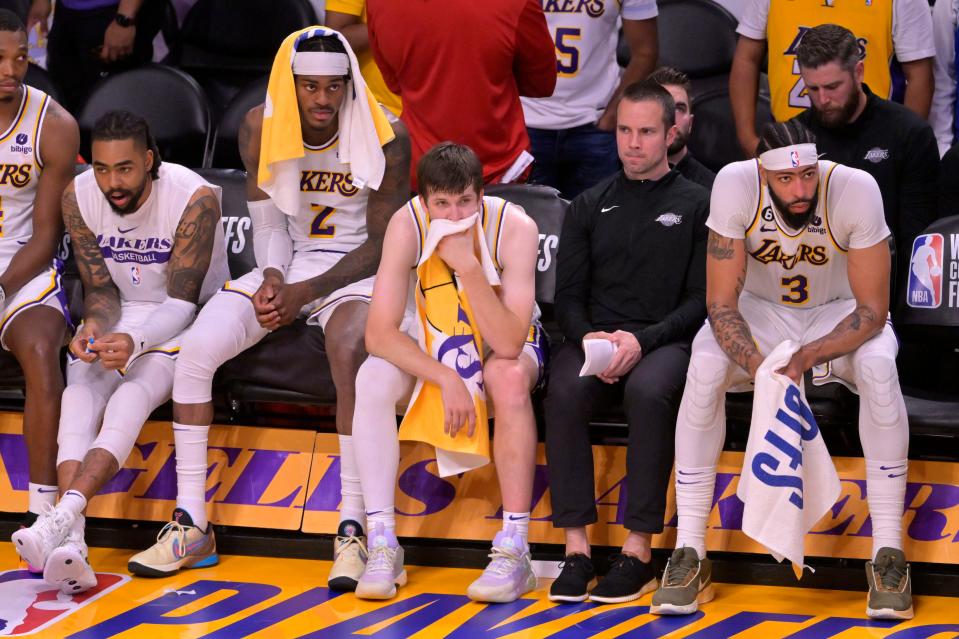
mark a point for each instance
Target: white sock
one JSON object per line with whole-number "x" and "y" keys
{"x": 351, "y": 492}
{"x": 886, "y": 493}
{"x": 694, "y": 500}
{"x": 39, "y": 494}
{"x": 72, "y": 502}
{"x": 385, "y": 516}
{"x": 520, "y": 521}
{"x": 191, "y": 468}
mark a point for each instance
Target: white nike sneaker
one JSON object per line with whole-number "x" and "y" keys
{"x": 34, "y": 544}
{"x": 68, "y": 566}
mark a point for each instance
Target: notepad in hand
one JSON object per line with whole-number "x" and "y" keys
{"x": 599, "y": 353}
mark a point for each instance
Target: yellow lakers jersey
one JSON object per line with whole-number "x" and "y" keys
{"x": 20, "y": 166}
{"x": 869, "y": 20}
{"x": 332, "y": 213}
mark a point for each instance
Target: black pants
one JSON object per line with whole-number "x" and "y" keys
{"x": 650, "y": 394}
{"x": 74, "y": 43}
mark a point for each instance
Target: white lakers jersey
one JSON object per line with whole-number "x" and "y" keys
{"x": 802, "y": 268}
{"x": 585, "y": 34}
{"x": 20, "y": 166}
{"x": 332, "y": 214}
{"x": 494, "y": 215}
{"x": 137, "y": 247}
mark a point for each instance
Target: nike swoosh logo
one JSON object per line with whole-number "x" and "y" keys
{"x": 892, "y": 467}
{"x": 374, "y": 512}
{"x": 190, "y": 548}
{"x": 132, "y": 228}
{"x": 609, "y": 208}
{"x": 680, "y": 481}
{"x": 47, "y": 490}
{"x": 695, "y": 472}
{"x": 766, "y": 229}
{"x": 511, "y": 518}
{"x": 899, "y": 475}
{"x": 22, "y": 242}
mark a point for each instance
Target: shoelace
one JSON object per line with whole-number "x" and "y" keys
{"x": 890, "y": 575}
{"x": 343, "y": 542}
{"x": 676, "y": 573}
{"x": 53, "y": 524}
{"x": 503, "y": 562}
{"x": 380, "y": 560}
{"x": 576, "y": 562}
{"x": 171, "y": 528}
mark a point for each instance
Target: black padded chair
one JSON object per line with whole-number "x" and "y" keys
{"x": 547, "y": 208}
{"x": 170, "y": 100}
{"x": 713, "y": 141}
{"x": 226, "y": 153}
{"x": 39, "y": 78}
{"x": 289, "y": 366}
{"x": 928, "y": 322}
{"x": 226, "y": 44}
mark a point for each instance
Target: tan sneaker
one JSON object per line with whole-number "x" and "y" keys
{"x": 890, "y": 586}
{"x": 180, "y": 544}
{"x": 349, "y": 557}
{"x": 687, "y": 582}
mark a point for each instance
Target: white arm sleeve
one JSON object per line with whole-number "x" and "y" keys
{"x": 272, "y": 245}
{"x": 944, "y": 67}
{"x": 734, "y": 199}
{"x": 166, "y": 322}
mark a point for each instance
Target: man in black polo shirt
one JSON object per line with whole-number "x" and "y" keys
{"x": 855, "y": 127}
{"x": 631, "y": 270}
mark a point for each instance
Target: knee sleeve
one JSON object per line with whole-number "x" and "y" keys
{"x": 380, "y": 383}
{"x": 125, "y": 414}
{"x": 883, "y": 424}
{"x": 703, "y": 407}
{"x": 225, "y": 328}
{"x": 82, "y": 408}
{"x": 878, "y": 384}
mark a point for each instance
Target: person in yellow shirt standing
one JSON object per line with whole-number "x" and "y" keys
{"x": 882, "y": 28}
{"x": 349, "y": 18}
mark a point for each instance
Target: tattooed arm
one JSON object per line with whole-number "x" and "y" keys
{"x": 868, "y": 272}
{"x": 101, "y": 300}
{"x": 725, "y": 277}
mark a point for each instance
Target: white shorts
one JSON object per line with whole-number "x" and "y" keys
{"x": 46, "y": 289}
{"x": 771, "y": 323}
{"x": 319, "y": 311}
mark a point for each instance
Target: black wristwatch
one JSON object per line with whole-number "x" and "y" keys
{"x": 124, "y": 21}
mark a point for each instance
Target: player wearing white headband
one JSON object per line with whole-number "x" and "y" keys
{"x": 797, "y": 250}
{"x": 319, "y": 215}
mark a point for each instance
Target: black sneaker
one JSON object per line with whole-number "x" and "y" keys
{"x": 628, "y": 579}
{"x": 575, "y": 581}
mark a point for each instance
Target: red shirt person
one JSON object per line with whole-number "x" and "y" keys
{"x": 460, "y": 68}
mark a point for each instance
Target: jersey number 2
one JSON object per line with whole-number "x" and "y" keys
{"x": 798, "y": 289}
{"x": 319, "y": 227}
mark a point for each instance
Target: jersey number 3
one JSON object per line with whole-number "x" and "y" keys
{"x": 798, "y": 289}
{"x": 320, "y": 227}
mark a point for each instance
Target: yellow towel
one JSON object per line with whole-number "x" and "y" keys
{"x": 364, "y": 128}
{"x": 448, "y": 332}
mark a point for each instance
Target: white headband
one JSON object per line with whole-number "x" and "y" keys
{"x": 789, "y": 157}
{"x": 321, "y": 63}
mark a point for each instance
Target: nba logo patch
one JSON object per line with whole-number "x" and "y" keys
{"x": 28, "y": 604}
{"x": 794, "y": 158}
{"x": 135, "y": 274}
{"x": 925, "y": 272}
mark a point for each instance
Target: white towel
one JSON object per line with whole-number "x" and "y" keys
{"x": 788, "y": 481}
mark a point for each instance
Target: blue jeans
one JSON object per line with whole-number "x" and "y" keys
{"x": 572, "y": 160}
